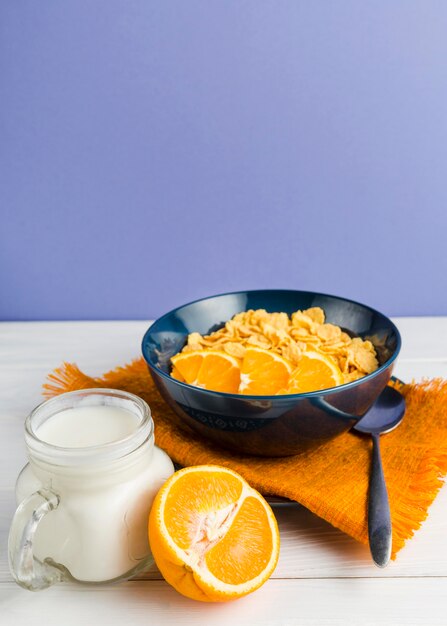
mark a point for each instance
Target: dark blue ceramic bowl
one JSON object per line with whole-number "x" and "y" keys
{"x": 269, "y": 425}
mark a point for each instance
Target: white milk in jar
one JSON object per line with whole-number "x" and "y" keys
{"x": 92, "y": 476}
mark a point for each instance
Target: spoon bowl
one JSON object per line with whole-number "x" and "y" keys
{"x": 385, "y": 414}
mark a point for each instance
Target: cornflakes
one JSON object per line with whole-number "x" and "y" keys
{"x": 290, "y": 337}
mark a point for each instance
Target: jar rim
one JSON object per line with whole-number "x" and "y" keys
{"x": 96, "y": 454}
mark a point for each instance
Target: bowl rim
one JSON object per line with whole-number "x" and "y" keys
{"x": 288, "y": 396}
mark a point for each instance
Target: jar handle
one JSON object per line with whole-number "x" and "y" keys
{"x": 28, "y": 571}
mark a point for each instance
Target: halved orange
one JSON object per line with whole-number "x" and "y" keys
{"x": 213, "y": 537}
{"x": 210, "y": 369}
{"x": 263, "y": 372}
{"x": 315, "y": 371}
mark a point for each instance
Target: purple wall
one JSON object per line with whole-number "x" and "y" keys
{"x": 153, "y": 152}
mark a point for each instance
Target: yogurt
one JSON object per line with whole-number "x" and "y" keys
{"x": 101, "y": 464}
{"x": 86, "y": 426}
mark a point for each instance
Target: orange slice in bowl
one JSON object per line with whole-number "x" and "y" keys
{"x": 187, "y": 365}
{"x": 314, "y": 372}
{"x": 176, "y": 374}
{"x": 209, "y": 369}
{"x": 263, "y": 373}
{"x": 213, "y": 537}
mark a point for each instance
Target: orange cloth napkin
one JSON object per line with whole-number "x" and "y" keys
{"x": 331, "y": 481}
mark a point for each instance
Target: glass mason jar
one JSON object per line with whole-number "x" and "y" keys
{"x": 83, "y": 512}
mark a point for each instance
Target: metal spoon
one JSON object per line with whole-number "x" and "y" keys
{"x": 385, "y": 414}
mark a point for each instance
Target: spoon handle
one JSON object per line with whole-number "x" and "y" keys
{"x": 379, "y": 518}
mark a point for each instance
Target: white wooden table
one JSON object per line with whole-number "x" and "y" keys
{"x": 323, "y": 576}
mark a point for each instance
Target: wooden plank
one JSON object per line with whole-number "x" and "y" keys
{"x": 423, "y": 338}
{"x": 417, "y": 370}
{"x": 342, "y": 602}
{"x": 310, "y": 548}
